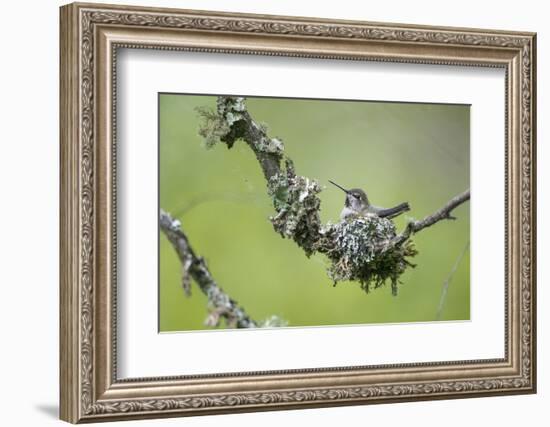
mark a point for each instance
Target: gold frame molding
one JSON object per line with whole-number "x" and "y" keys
{"x": 90, "y": 36}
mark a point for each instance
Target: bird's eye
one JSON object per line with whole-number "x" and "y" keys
{"x": 356, "y": 195}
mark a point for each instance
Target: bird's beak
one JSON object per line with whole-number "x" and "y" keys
{"x": 340, "y": 187}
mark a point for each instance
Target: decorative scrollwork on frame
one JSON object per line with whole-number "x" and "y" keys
{"x": 90, "y": 18}
{"x": 289, "y": 397}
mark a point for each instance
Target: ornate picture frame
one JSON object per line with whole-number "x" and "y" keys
{"x": 90, "y": 37}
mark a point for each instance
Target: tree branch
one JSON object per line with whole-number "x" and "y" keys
{"x": 221, "y": 305}
{"x": 232, "y": 122}
{"x": 294, "y": 197}
{"x": 441, "y": 214}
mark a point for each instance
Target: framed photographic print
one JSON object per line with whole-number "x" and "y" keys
{"x": 266, "y": 212}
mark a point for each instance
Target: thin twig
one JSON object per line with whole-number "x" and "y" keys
{"x": 441, "y": 214}
{"x": 222, "y": 306}
{"x": 447, "y": 282}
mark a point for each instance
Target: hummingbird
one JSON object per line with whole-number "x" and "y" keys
{"x": 357, "y": 204}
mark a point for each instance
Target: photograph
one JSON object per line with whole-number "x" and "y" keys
{"x": 289, "y": 212}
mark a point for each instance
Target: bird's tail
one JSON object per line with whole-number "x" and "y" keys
{"x": 393, "y": 212}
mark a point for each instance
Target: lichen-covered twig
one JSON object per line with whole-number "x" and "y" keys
{"x": 363, "y": 249}
{"x": 441, "y": 214}
{"x": 232, "y": 122}
{"x": 294, "y": 197}
{"x": 220, "y": 304}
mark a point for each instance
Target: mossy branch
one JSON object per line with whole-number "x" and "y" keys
{"x": 294, "y": 197}
{"x": 363, "y": 249}
{"x": 220, "y": 305}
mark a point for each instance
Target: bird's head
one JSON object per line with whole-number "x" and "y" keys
{"x": 356, "y": 198}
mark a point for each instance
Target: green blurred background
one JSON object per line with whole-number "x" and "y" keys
{"x": 396, "y": 152}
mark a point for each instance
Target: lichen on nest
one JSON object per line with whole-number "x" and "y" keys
{"x": 358, "y": 251}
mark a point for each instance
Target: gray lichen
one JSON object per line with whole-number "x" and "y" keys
{"x": 273, "y": 321}
{"x": 231, "y": 122}
{"x": 270, "y": 145}
{"x": 213, "y": 128}
{"x": 357, "y": 250}
{"x": 218, "y": 126}
{"x": 297, "y": 206}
